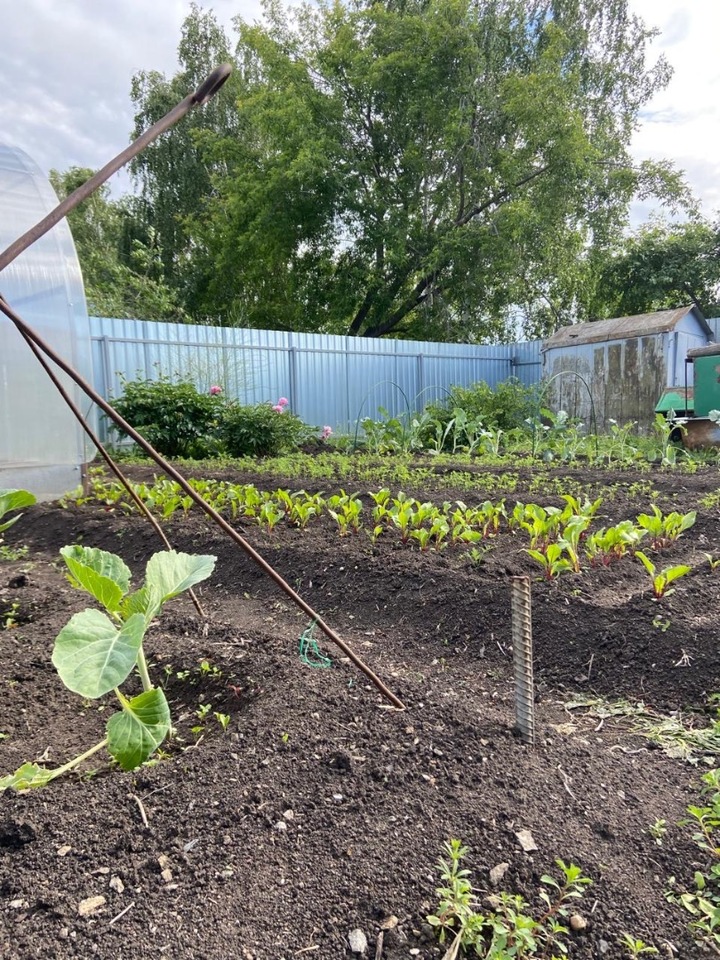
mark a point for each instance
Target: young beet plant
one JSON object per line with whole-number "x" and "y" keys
{"x": 661, "y": 579}
{"x": 96, "y": 652}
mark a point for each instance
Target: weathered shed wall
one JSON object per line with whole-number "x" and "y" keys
{"x": 621, "y": 378}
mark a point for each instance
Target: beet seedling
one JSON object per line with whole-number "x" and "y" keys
{"x": 97, "y": 651}
{"x": 664, "y": 530}
{"x": 661, "y": 581}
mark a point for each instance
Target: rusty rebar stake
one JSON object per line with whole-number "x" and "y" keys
{"x": 523, "y": 658}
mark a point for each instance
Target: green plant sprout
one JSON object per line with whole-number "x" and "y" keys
{"x": 13, "y": 500}
{"x": 223, "y": 719}
{"x": 661, "y": 581}
{"x": 658, "y": 830}
{"x": 605, "y": 545}
{"x": 552, "y": 560}
{"x": 9, "y": 618}
{"x": 636, "y": 948}
{"x": 346, "y": 511}
{"x": 666, "y": 428}
{"x": 664, "y": 530}
{"x": 97, "y": 651}
{"x": 703, "y": 903}
{"x": 508, "y": 929}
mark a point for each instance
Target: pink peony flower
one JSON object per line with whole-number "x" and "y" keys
{"x": 215, "y": 390}
{"x": 283, "y": 402}
{"x": 326, "y": 432}
{"x": 277, "y": 408}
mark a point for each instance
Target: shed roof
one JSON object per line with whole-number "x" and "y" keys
{"x": 621, "y": 328}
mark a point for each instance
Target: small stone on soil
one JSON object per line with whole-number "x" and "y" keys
{"x": 526, "y": 841}
{"x": 90, "y": 905}
{"x": 577, "y": 923}
{"x": 497, "y": 873}
{"x": 357, "y": 941}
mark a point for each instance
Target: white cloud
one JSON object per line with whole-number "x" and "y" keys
{"x": 66, "y": 71}
{"x": 682, "y": 123}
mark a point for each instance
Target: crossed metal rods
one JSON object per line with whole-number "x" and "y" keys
{"x": 37, "y": 344}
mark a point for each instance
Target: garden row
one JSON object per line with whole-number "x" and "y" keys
{"x": 560, "y": 538}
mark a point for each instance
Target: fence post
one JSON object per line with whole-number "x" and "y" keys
{"x": 292, "y": 376}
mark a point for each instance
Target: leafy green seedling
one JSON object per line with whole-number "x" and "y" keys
{"x": 223, "y": 719}
{"x": 661, "y": 581}
{"x": 552, "y": 560}
{"x": 703, "y": 904}
{"x": 664, "y": 530}
{"x": 13, "y": 500}
{"x": 508, "y": 929}
{"x": 97, "y": 651}
{"x": 636, "y": 948}
{"x": 658, "y": 830}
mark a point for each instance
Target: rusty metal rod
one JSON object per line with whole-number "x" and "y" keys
{"x": 523, "y": 658}
{"x": 207, "y": 89}
{"x": 220, "y": 521}
{"x": 105, "y": 455}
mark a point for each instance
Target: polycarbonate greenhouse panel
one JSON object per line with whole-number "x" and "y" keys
{"x": 329, "y": 380}
{"x": 42, "y": 446}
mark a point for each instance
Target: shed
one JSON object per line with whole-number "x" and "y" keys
{"x": 625, "y": 364}
{"x": 42, "y": 447}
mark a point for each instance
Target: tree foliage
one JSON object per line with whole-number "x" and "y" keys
{"x": 122, "y": 273}
{"x": 432, "y": 168}
{"x": 175, "y": 172}
{"x": 660, "y": 266}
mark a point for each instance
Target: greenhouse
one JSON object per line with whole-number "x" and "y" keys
{"x": 42, "y": 447}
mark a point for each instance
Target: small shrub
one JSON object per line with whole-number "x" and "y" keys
{"x": 261, "y": 430}
{"x": 174, "y": 417}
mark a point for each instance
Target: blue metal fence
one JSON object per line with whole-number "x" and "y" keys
{"x": 333, "y": 380}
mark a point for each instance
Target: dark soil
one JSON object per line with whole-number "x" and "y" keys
{"x": 322, "y": 809}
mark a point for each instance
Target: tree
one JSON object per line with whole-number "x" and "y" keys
{"x": 430, "y": 168}
{"x": 175, "y": 172}
{"x": 662, "y": 265}
{"x": 121, "y": 271}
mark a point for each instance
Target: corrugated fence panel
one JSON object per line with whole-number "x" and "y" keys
{"x": 328, "y": 379}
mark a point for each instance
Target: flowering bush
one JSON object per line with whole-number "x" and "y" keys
{"x": 261, "y": 430}
{"x": 215, "y": 390}
{"x": 176, "y": 419}
{"x": 326, "y": 432}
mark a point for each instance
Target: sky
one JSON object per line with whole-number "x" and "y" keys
{"x": 66, "y": 70}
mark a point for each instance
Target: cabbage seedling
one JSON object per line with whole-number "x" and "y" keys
{"x": 13, "y": 500}
{"x": 97, "y": 651}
